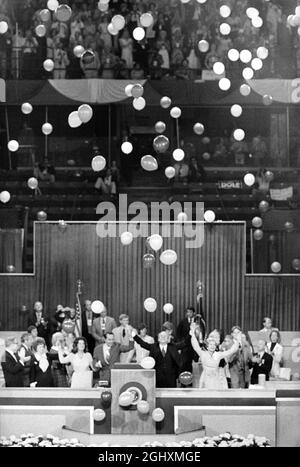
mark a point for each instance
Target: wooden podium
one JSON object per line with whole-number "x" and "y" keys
{"x": 127, "y": 420}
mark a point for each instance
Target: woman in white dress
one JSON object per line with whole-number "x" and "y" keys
{"x": 276, "y": 350}
{"x": 210, "y": 360}
{"x": 82, "y": 363}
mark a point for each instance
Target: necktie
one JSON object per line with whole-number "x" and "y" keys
{"x": 163, "y": 352}
{"x": 124, "y": 333}
{"x": 107, "y": 354}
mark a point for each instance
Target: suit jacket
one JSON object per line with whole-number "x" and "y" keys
{"x": 115, "y": 351}
{"x": 167, "y": 367}
{"x": 28, "y": 353}
{"x": 125, "y": 357}
{"x": 43, "y": 330}
{"x": 187, "y": 354}
{"x": 13, "y": 371}
{"x": 43, "y": 379}
{"x": 96, "y": 330}
{"x": 262, "y": 368}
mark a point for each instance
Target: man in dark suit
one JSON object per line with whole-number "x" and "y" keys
{"x": 167, "y": 359}
{"x": 101, "y": 326}
{"x": 13, "y": 364}
{"x": 261, "y": 363}
{"x": 108, "y": 353}
{"x": 183, "y": 333}
{"x": 38, "y": 320}
{"x": 26, "y": 343}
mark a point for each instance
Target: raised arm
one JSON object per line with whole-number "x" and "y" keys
{"x": 233, "y": 349}
{"x": 65, "y": 359}
{"x": 142, "y": 343}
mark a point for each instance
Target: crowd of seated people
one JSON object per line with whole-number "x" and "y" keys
{"x": 54, "y": 354}
{"x": 169, "y": 49}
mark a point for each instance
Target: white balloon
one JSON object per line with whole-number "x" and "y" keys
{"x": 178, "y": 154}
{"x": 3, "y": 27}
{"x": 225, "y": 29}
{"x": 74, "y": 120}
{"x": 47, "y": 128}
{"x": 26, "y": 108}
{"x": 118, "y": 22}
{"x": 126, "y": 147}
{"x": 182, "y": 217}
{"x": 256, "y": 64}
{"x": 168, "y": 257}
{"x": 148, "y": 363}
{"x": 168, "y": 308}
{"x": 257, "y": 22}
{"x": 262, "y": 53}
{"x": 128, "y": 90}
{"x": 48, "y": 65}
{"x": 139, "y": 103}
{"x": 245, "y": 89}
{"x": 52, "y": 5}
{"x": 239, "y": 134}
{"x": 40, "y": 30}
{"x": 252, "y": 12}
{"x": 150, "y": 304}
{"x": 225, "y": 11}
{"x": 13, "y": 145}
{"x": 218, "y": 68}
{"x": 97, "y": 307}
{"x": 245, "y": 56}
{"x": 249, "y": 179}
{"x": 112, "y": 29}
{"x": 236, "y": 110}
{"x": 175, "y": 112}
{"x": 98, "y": 163}
{"x": 126, "y": 238}
{"x": 85, "y": 113}
{"x": 170, "y": 172}
{"x": 276, "y": 267}
{"x": 146, "y": 19}
{"x": 209, "y": 216}
{"x": 233, "y": 55}
{"x": 138, "y": 33}
{"x": 78, "y": 50}
{"x": 224, "y": 84}
{"x": 248, "y": 73}
{"x": 155, "y": 242}
{"x": 4, "y": 196}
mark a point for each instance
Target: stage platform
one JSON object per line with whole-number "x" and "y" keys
{"x": 189, "y": 413}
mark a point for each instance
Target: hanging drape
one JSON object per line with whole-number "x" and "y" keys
{"x": 114, "y": 274}
{"x": 11, "y": 249}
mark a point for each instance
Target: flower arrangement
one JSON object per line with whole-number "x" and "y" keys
{"x": 222, "y": 440}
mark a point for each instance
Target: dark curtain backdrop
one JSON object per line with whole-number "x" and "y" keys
{"x": 11, "y": 249}
{"x": 114, "y": 274}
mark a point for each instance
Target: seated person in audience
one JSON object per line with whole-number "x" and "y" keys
{"x": 40, "y": 369}
{"x": 59, "y": 371}
{"x": 107, "y": 353}
{"x": 140, "y": 352}
{"x": 167, "y": 359}
{"x": 196, "y": 171}
{"x": 26, "y": 343}
{"x": 267, "y": 326}
{"x": 275, "y": 349}
{"x": 38, "y": 320}
{"x": 101, "y": 326}
{"x": 122, "y": 336}
{"x": 13, "y": 364}
{"x": 261, "y": 362}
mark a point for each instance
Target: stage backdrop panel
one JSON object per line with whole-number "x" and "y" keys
{"x": 114, "y": 274}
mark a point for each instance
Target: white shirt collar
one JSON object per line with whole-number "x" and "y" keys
{"x": 11, "y": 353}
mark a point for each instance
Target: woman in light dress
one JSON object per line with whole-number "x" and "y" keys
{"x": 210, "y": 360}
{"x": 126, "y": 44}
{"x": 276, "y": 350}
{"x": 82, "y": 363}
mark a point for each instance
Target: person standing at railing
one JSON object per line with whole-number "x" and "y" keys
{"x": 61, "y": 62}
{"x": 29, "y": 56}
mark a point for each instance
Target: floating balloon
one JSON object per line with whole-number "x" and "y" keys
{"x": 168, "y": 308}
{"x": 165, "y": 102}
{"x": 225, "y": 11}
{"x": 98, "y": 163}
{"x": 203, "y": 46}
{"x": 256, "y": 64}
{"x": 224, "y": 84}
{"x": 52, "y": 5}
{"x": 126, "y": 398}
{"x": 138, "y": 33}
{"x": 289, "y": 226}
{"x": 182, "y": 217}
{"x": 78, "y": 51}
{"x": 236, "y": 110}
{"x": 206, "y": 156}
{"x": 148, "y": 260}
{"x": 218, "y": 68}
{"x": 85, "y": 113}
{"x": 126, "y": 238}
{"x": 267, "y": 99}
{"x": 137, "y": 90}
{"x": 10, "y": 269}
{"x": 26, "y": 108}
{"x": 158, "y": 415}
{"x": 112, "y": 29}
{"x": 41, "y": 216}
{"x": 186, "y": 378}
{"x": 257, "y": 222}
{"x": 128, "y": 90}
{"x": 269, "y": 176}
{"x": 239, "y": 134}
{"x": 175, "y": 112}
{"x": 63, "y": 13}
{"x": 149, "y": 163}
{"x": 45, "y": 15}
{"x": 209, "y": 216}
{"x": 150, "y": 304}
{"x": 205, "y": 140}
{"x": 143, "y": 407}
{"x": 146, "y": 20}
{"x": 249, "y": 179}
{"x": 233, "y": 55}
{"x": 126, "y": 147}
{"x": 258, "y": 234}
{"x": 225, "y": 29}
{"x": 88, "y": 57}
{"x": 3, "y": 27}
{"x": 178, "y": 154}
{"x": 99, "y": 415}
{"x": 272, "y": 238}
{"x": 97, "y": 307}
{"x": 160, "y": 127}
{"x": 32, "y": 183}
{"x": 276, "y": 267}
{"x": 148, "y": 363}
{"x": 263, "y": 206}
{"x": 257, "y": 22}
{"x": 106, "y": 397}
{"x": 248, "y": 73}
{"x": 198, "y": 128}
{"x": 139, "y": 103}
{"x": 74, "y": 120}
{"x": 13, "y": 145}
{"x": 40, "y": 30}
{"x": 262, "y": 53}
{"x": 68, "y": 326}
{"x": 296, "y": 264}
{"x": 170, "y": 172}
{"x": 62, "y": 225}
{"x": 47, "y": 128}
{"x": 118, "y": 22}
{"x": 155, "y": 242}
{"x": 245, "y": 56}
{"x": 168, "y": 257}
{"x": 4, "y": 197}
{"x": 245, "y": 90}
{"x": 161, "y": 144}
{"x": 48, "y": 65}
